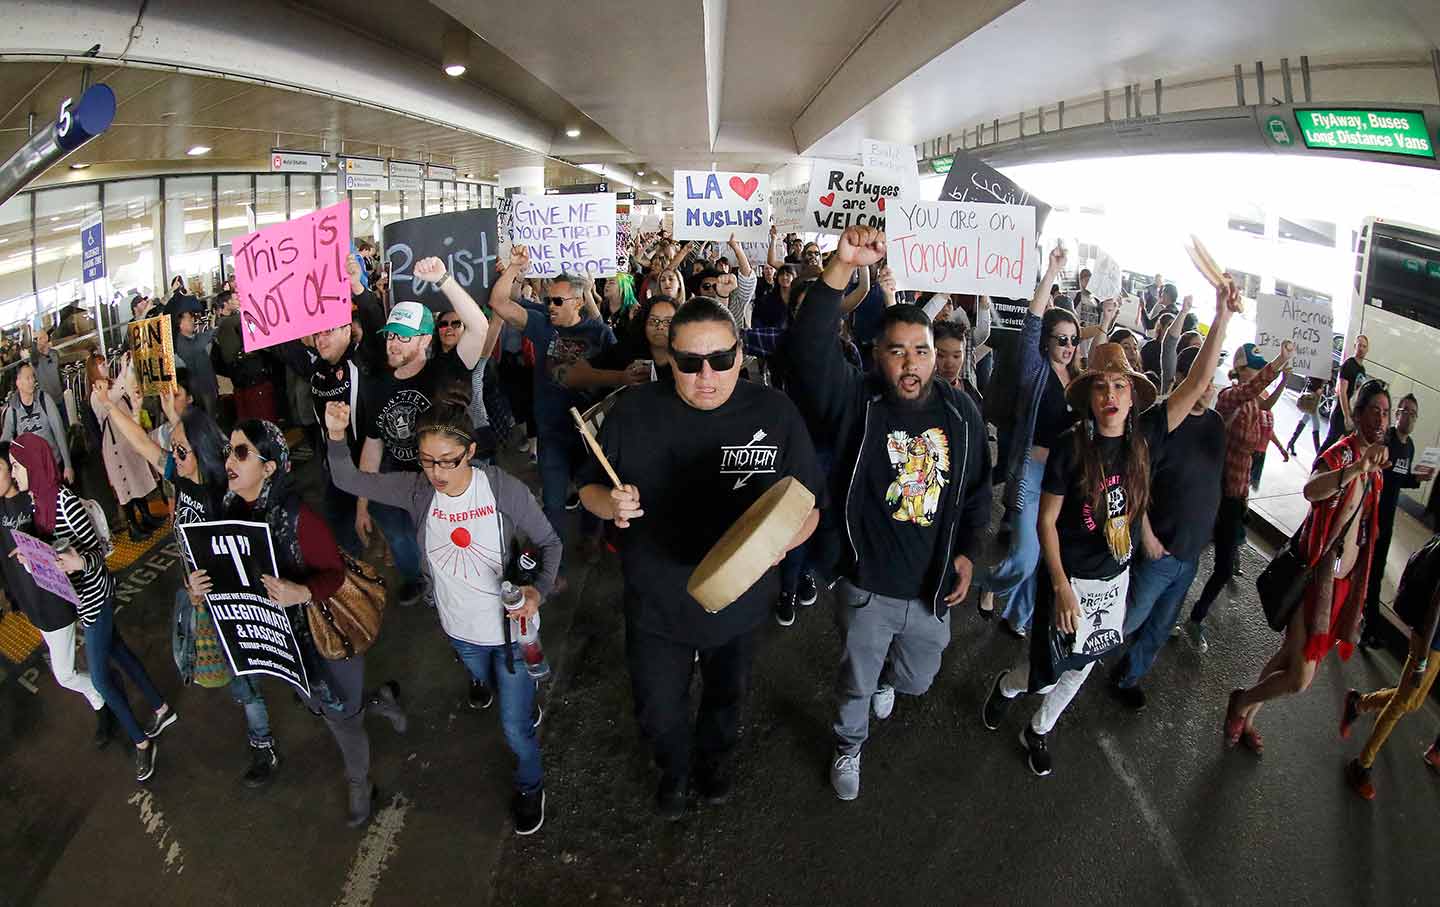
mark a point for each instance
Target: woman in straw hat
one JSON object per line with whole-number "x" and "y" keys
{"x": 1093, "y": 497}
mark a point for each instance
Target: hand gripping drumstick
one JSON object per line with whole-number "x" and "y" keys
{"x": 1205, "y": 263}
{"x": 595, "y": 447}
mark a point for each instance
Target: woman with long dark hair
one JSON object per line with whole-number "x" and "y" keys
{"x": 62, "y": 521}
{"x": 257, "y": 469}
{"x": 468, "y": 520}
{"x": 1094, "y": 496}
{"x": 195, "y": 465}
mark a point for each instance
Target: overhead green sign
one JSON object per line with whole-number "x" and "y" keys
{"x": 942, "y": 164}
{"x": 1379, "y": 131}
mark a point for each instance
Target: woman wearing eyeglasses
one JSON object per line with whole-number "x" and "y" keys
{"x": 468, "y": 518}
{"x": 195, "y": 465}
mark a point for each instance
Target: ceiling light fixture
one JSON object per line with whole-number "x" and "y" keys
{"x": 197, "y": 150}
{"x": 573, "y": 132}
{"x": 654, "y": 182}
{"x": 79, "y": 166}
{"x": 454, "y": 51}
{"x": 640, "y": 172}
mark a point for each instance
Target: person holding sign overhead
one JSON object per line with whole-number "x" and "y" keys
{"x": 392, "y": 402}
{"x": 694, "y": 455}
{"x": 1093, "y": 501}
{"x": 912, "y": 485}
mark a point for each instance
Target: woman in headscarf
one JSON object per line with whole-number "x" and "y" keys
{"x": 311, "y": 568}
{"x": 62, "y": 521}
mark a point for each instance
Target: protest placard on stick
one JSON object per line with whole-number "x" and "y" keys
{"x": 153, "y": 352}
{"x": 290, "y": 278}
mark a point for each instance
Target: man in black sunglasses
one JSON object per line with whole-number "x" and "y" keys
{"x": 912, "y": 489}
{"x": 694, "y": 455}
{"x": 564, "y": 333}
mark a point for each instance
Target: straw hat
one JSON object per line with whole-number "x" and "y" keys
{"x": 1109, "y": 359}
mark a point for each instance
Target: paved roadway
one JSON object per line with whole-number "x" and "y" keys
{"x": 1142, "y": 808}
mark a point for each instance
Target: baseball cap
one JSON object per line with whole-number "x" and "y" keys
{"x": 409, "y": 319}
{"x": 1248, "y": 356}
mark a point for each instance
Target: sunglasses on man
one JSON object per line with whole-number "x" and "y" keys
{"x": 557, "y": 301}
{"x": 692, "y": 363}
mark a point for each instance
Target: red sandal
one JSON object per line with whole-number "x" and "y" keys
{"x": 1233, "y": 727}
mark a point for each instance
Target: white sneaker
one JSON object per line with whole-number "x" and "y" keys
{"x": 882, "y": 701}
{"x": 845, "y": 776}
{"x": 1196, "y": 631}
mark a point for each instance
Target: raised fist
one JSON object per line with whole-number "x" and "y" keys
{"x": 430, "y": 270}
{"x": 861, "y": 247}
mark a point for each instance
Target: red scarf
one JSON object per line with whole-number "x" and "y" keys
{"x": 1332, "y": 623}
{"x": 33, "y": 452}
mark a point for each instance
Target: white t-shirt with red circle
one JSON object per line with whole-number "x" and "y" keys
{"x": 467, "y": 563}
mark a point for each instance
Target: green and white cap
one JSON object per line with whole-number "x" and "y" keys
{"x": 409, "y": 319}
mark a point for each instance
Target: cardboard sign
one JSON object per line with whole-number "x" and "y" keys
{"x": 290, "y": 278}
{"x": 467, "y": 241}
{"x": 153, "y": 352}
{"x": 566, "y": 234}
{"x": 624, "y": 236}
{"x": 787, "y": 207}
{"x": 254, "y": 631}
{"x": 1429, "y": 459}
{"x": 1304, "y": 322}
{"x": 843, "y": 195}
{"x": 720, "y": 204}
{"x": 962, "y": 247}
{"x": 756, "y": 252}
{"x": 1105, "y": 278}
{"x": 43, "y": 566}
{"x": 893, "y": 156}
{"x": 973, "y": 180}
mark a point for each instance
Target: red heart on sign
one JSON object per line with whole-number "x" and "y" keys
{"x": 827, "y": 200}
{"x": 744, "y": 188}
{"x": 880, "y": 203}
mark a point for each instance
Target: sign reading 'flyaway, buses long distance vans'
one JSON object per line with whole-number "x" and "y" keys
{"x": 1382, "y": 131}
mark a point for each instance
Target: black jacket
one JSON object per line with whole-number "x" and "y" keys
{"x": 841, "y": 404}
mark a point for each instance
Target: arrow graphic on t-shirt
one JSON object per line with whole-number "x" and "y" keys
{"x": 740, "y": 482}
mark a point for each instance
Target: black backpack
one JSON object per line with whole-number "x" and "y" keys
{"x": 1417, "y": 584}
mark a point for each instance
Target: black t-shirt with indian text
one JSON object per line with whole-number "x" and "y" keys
{"x": 1084, "y": 551}
{"x": 697, "y": 471}
{"x": 905, "y": 486}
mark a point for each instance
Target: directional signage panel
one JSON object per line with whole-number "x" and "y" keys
{"x": 1378, "y": 131}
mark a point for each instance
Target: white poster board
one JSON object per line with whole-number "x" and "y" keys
{"x": 569, "y": 234}
{"x": 962, "y": 247}
{"x": 1304, "y": 322}
{"x": 844, "y": 195}
{"x": 1105, "y": 278}
{"x": 721, "y": 204}
{"x": 787, "y": 207}
{"x": 896, "y": 156}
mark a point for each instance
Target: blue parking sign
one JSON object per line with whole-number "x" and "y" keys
{"x": 92, "y": 248}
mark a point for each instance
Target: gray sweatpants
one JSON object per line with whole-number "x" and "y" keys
{"x": 885, "y": 639}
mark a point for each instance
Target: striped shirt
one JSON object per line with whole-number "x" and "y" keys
{"x": 94, "y": 585}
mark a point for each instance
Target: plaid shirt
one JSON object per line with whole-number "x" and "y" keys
{"x": 1248, "y": 428}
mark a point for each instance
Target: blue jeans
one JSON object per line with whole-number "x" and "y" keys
{"x": 399, "y": 532}
{"x": 245, "y": 690}
{"x": 1015, "y": 575}
{"x": 340, "y": 512}
{"x": 557, "y": 459}
{"x": 103, "y": 644}
{"x": 516, "y": 692}
{"x": 1157, "y": 589}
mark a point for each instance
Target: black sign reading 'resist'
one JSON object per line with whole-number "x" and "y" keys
{"x": 466, "y": 241}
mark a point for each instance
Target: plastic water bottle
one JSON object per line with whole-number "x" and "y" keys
{"x": 535, "y": 664}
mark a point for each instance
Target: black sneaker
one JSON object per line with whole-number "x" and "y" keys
{"x": 539, "y": 716}
{"x": 145, "y": 761}
{"x": 713, "y": 781}
{"x": 410, "y": 593}
{"x": 160, "y": 722}
{"x": 481, "y": 696}
{"x": 264, "y": 762}
{"x": 785, "y": 609}
{"x": 104, "y": 726}
{"x": 1038, "y": 753}
{"x": 996, "y": 705}
{"x": 528, "y": 811}
{"x": 670, "y": 798}
{"x": 807, "y": 591}
{"x": 573, "y": 501}
{"x": 1132, "y": 698}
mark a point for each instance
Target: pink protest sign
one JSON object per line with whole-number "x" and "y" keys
{"x": 39, "y": 559}
{"x": 290, "y": 278}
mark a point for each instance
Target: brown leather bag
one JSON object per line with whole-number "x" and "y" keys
{"x": 346, "y": 624}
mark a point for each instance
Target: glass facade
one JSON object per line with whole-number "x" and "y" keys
{"x": 163, "y": 227}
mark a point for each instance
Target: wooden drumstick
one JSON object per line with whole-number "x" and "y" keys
{"x": 595, "y": 447}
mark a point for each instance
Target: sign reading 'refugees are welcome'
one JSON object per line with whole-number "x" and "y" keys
{"x": 843, "y": 195}
{"x": 566, "y": 234}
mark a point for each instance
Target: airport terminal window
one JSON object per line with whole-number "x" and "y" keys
{"x": 190, "y": 229}
{"x": 304, "y": 193}
{"x": 389, "y": 208}
{"x": 132, "y": 230}
{"x": 1249, "y": 283}
{"x": 1318, "y": 232}
{"x": 1296, "y": 291}
{"x": 234, "y": 208}
{"x": 1250, "y": 219}
{"x": 433, "y": 197}
{"x": 58, "y": 213}
{"x": 16, "y": 286}
{"x": 363, "y": 206}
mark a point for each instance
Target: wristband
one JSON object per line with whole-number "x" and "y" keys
{"x": 444, "y": 278}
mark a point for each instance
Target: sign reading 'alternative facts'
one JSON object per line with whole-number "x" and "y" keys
{"x": 566, "y": 234}
{"x": 467, "y": 241}
{"x": 962, "y": 247}
{"x": 1304, "y": 322}
{"x": 290, "y": 278}
{"x": 843, "y": 195}
{"x": 718, "y": 205}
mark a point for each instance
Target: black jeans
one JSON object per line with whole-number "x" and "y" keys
{"x": 1383, "y": 533}
{"x": 1229, "y": 523}
{"x": 660, "y": 672}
